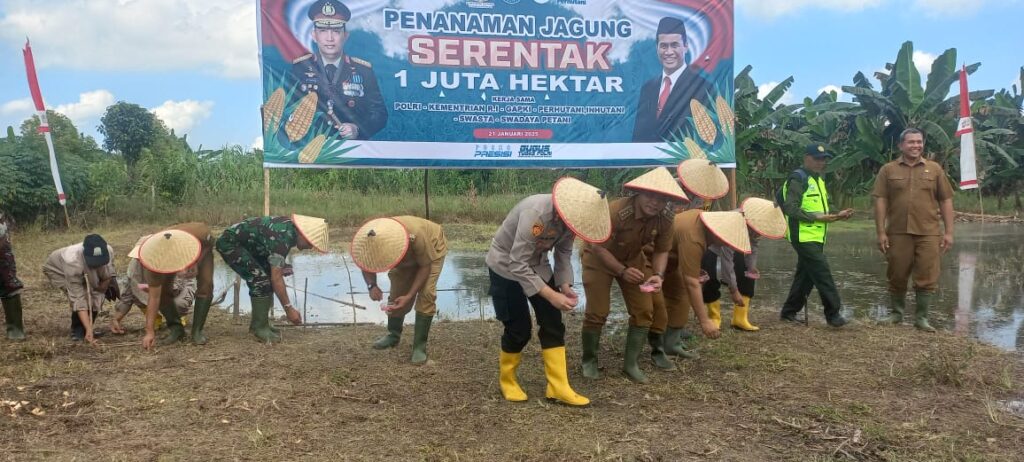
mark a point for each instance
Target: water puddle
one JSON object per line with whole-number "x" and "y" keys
{"x": 981, "y": 289}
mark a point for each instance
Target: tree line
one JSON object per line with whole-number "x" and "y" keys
{"x": 142, "y": 161}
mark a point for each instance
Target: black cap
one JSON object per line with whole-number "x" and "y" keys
{"x": 817, "y": 151}
{"x": 96, "y": 252}
{"x": 329, "y": 14}
{"x": 670, "y": 25}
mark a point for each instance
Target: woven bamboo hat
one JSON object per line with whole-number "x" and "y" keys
{"x": 169, "y": 251}
{"x": 379, "y": 245}
{"x": 764, "y": 217}
{"x": 313, "y": 229}
{"x": 703, "y": 178}
{"x": 658, "y": 181}
{"x": 138, "y": 245}
{"x": 583, "y": 208}
{"x": 729, "y": 227}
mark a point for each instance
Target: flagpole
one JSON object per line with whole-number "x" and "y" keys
{"x": 44, "y": 127}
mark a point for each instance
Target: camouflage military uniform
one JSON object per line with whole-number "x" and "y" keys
{"x": 255, "y": 245}
{"x": 10, "y": 285}
{"x": 346, "y": 94}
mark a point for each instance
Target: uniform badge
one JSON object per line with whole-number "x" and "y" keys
{"x": 537, "y": 229}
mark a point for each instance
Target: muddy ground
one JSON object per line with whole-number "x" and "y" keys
{"x": 787, "y": 392}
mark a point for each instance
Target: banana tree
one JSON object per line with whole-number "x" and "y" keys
{"x": 999, "y": 143}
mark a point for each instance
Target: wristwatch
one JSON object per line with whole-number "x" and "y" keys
{"x": 659, "y": 274}
{"x": 371, "y": 285}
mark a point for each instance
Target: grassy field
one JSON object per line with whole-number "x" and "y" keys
{"x": 785, "y": 393}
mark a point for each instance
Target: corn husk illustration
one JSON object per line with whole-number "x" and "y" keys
{"x": 301, "y": 119}
{"x": 273, "y": 109}
{"x": 725, "y": 115}
{"x": 694, "y": 149}
{"x": 312, "y": 150}
{"x": 702, "y": 121}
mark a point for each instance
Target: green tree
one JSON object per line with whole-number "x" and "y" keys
{"x": 128, "y": 128}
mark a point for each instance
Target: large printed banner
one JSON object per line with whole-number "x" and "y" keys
{"x": 496, "y": 83}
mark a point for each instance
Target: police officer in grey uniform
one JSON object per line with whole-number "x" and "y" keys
{"x": 349, "y": 98}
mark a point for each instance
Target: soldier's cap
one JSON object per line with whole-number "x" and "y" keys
{"x": 96, "y": 252}
{"x": 817, "y": 151}
{"x": 329, "y": 14}
{"x": 670, "y": 25}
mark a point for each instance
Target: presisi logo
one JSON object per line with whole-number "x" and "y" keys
{"x": 486, "y": 4}
{"x": 511, "y": 2}
{"x": 560, "y": 2}
{"x": 535, "y": 150}
{"x": 491, "y": 150}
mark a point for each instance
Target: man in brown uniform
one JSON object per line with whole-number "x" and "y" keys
{"x": 163, "y": 255}
{"x": 412, "y": 251}
{"x": 638, "y": 220}
{"x": 910, "y": 193}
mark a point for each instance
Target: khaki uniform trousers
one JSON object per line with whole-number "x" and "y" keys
{"x": 401, "y": 278}
{"x": 597, "y": 284}
{"x": 913, "y": 255}
{"x": 671, "y": 304}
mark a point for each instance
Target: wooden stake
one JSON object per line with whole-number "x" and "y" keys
{"x": 732, "y": 188}
{"x": 426, "y": 192}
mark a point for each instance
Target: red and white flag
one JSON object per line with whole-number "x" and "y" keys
{"x": 965, "y": 130}
{"x": 44, "y": 126}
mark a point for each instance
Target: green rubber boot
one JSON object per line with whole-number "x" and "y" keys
{"x": 419, "y": 338}
{"x": 924, "y": 301}
{"x": 897, "y": 306}
{"x": 394, "y": 334}
{"x": 590, "y": 342}
{"x": 260, "y": 324}
{"x": 658, "y": 356}
{"x": 674, "y": 345}
{"x": 199, "y": 313}
{"x": 12, "y": 318}
{"x": 634, "y": 345}
{"x": 175, "y": 331}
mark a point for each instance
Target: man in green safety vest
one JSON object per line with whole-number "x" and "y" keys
{"x": 809, "y": 210}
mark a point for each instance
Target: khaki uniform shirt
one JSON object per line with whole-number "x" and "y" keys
{"x": 688, "y": 244}
{"x": 630, "y": 234}
{"x": 66, "y": 269}
{"x": 913, "y": 193}
{"x": 184, "y": 289}
{"x": 519, "y": 251}
{"x": 426, "y": 241}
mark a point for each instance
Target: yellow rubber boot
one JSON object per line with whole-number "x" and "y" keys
{"x": 558, "y": 379}
{"x": 510, "y": 388}
{"x": 715, "y": 312}
{"x": 739, "y": 317}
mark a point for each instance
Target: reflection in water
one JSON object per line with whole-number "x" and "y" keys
{"x": 980, "y": 291}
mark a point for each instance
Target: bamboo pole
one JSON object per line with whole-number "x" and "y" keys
{"x": 426, "y": 193}
{"x": 266, "y": 192}
{"x": 732, "y": 188}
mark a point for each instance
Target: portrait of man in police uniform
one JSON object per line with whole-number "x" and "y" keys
{"x": 349, "y": 98}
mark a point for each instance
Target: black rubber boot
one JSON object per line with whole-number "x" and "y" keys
{"x": 12, "y": 318}
{"x": 394, "y": 334}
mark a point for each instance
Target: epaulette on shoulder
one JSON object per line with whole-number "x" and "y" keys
{"x": 361, "y": 62}
{"x": 626, "y": 212}
{"x": 668, "y": 213}
{"x": 302, "y": 58}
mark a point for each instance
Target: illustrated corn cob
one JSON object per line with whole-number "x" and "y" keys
{"x": 312, "y": 150}
{"x": 694, "y": 149}
{"x": 706, "y": 129}
{"x": 273, "y": 109}
{"x": 725, "y": 115}
{"x": 301, "y": 118}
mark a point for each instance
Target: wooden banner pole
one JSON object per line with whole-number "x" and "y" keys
{"x": 266, "y": 192}
{"x": 426, "y": 192}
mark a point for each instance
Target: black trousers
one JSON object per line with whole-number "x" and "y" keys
{"x": 712, "y": 290}
{"x": 510, "y": 307}
{"x": 812, "y": 271}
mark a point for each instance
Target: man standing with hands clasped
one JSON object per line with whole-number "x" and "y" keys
{"x": 910, "y": 194}
{"x": 809, "y": 210}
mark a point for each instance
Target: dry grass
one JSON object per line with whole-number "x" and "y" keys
{"x": 785, "y": 393}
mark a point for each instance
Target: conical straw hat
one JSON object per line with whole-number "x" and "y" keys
{"x": 313, "y": 229}
{"x": 729, "y": 227}
{"x": 703, "y": 178}
{"x": 379, "y": 245}
{"x": 764, "y": 217}
{"x": 583, "y": 208}
{"x": 169, "y": 251}
{"x": 138, "y": 245}
{"x": 658, "y": 181}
